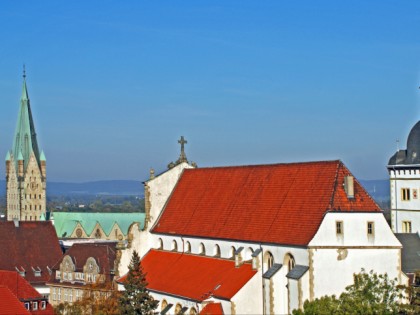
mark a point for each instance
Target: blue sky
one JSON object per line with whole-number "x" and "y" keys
{"x": 113, "y": 84}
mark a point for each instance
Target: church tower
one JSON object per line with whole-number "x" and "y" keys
{"x": 404, "y": 174}
{"x": 25, "y": 168}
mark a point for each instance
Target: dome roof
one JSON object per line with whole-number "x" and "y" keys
{"x": 413, "y": 145}
{"x": 411, "y": 156}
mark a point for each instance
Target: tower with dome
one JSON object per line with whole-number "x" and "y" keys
{"x": 404, "y": 173}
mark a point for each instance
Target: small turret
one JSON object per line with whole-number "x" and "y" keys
{"x": 43, "y": 164}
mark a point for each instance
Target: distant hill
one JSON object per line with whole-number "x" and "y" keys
{"x": 378, "y": 189}
{"x": 104, "y": 187}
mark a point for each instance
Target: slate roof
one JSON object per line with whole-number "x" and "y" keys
{"x": 13, "y": 305}
{"x": 103, "y": 253}
{"x": 21, "y": 289}
{"x": 212, "y": 309}
{"x": 411, "y": 156}
{"x": 276, "y": 204}
{"x": 297, "y": 272}
{"x": 65, "y": 222}
{"x": 410, "y": 253}
{"x": 193, "y": 277}
{"x": 272, "y": 271}
{"x": 33, "y": 244}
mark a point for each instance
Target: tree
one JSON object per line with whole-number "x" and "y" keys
{"x": 98, "y": 299}
{"x": 136, "y": 298}
{"x": 369, "y": 294}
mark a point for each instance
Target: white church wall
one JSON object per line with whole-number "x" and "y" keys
{"x": 348, "y": 253}
{"x": 248, "y": 300}
{"x": 304, "y": 289}
{"x": 354, "y": 230}
{"x": 294, "y": 294}
{"x": 331, "y": 276}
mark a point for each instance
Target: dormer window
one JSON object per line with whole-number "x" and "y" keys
{"x": 34, "y": 306}
{"x": 27, "y": 305}
{"x": 43, "y": 305}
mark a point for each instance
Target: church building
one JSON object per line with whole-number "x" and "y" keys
{"x": 25, "y": 169}
{"x": 259, "y": 239}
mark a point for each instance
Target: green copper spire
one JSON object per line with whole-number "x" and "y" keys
{"x": 25, "y": 136}
{"x": 42, "y": 157}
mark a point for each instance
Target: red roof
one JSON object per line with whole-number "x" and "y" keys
{"x": 212, "y": 309}
{"x": 31, "y": 245}
{"x": 10, "y": 305}
{"x": 280, "y": 203}
{"x": 192, "y": 276}
{"x": 22, "y": 290}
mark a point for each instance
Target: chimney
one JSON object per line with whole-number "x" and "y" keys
{"x": 16, "y": 222}
{"x": 349, "y": 186}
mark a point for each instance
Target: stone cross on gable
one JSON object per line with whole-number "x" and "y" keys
{"x": 182, "y": 156}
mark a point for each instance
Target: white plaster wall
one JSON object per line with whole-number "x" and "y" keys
{"x": 248, "y": 300}
{"x": 355, "y": 231}
{"x": 280, "y": 291}
{"x": 304, "y": 282}
{"x": 294, "y": 294}
{"x": 128, "y": 252}
{"x": 331, "y": 276}
{"x": 161, "y": 188}
{"x": 405, "y": 179}
{"x": 398, "y": 216}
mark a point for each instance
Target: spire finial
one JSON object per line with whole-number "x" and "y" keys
{"x": 24, "y": 72}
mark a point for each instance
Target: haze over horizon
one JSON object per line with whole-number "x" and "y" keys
{"x": 113, "y": 85}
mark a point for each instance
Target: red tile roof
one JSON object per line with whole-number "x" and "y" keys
{"x": 193, "y": 277}
{"x": 280, "y": 203}
{"x": 212, "y": 309}
{"x": 23, "y": 290}
{"x": 10, "y": 305}
{"x": 31, "y": 245}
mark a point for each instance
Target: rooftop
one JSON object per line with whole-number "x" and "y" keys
{"x": 194, "y": 277}
{"x": 260, "y": 203}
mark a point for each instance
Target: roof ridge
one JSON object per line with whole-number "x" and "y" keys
{"x": 265, "y": 165}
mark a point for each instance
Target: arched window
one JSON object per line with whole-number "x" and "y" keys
{"x": 202, "y": 249}
{"x": 248, "y": 253}
{"x": 232, "y": 252}
{"x": 289, "y": 261}
{"x": 193, "y": 311}
{"x": 188, "y": 247}
{"x": 178, "y": 309}
{"x": 216, "y": 251}
{"x": 268, "y": 260}
{"x": 174, "y": 246}
{"x": 160, "y": 244}
{"x": 164, "y": 305}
